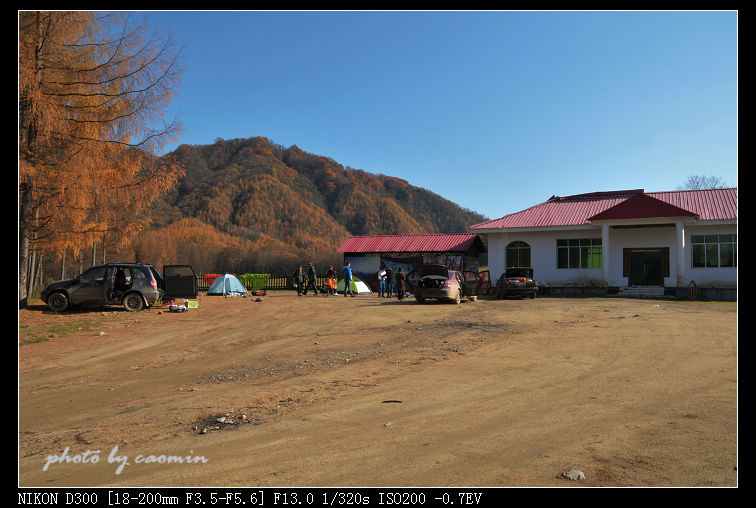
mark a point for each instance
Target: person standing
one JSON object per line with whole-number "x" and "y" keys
{"x": 348, "y": 280}
{"x": 381, "y": 282}
{"x": 400, "y": 284}
{"x": 389, "y": 282}
{"x": 299, "y": 280}
{"x": 312, "y": 279}
{"x": 331, "y": 281}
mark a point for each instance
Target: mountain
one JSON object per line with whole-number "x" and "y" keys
{"x": 267, "y": 197}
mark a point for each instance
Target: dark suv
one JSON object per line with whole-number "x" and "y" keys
{"x": 133, "y": 285}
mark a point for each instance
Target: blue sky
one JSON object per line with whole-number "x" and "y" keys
{"x": 496, "y": 111}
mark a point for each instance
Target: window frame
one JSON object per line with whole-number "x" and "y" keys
{"x": 579, "y": 253}
{"x": 706, "y": 251}
{"x": 520, "y": 247}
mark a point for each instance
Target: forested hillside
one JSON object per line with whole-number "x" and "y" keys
{"x": 252, "y": 205}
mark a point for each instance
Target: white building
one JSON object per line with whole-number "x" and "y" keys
{"x": 622, "y": 239}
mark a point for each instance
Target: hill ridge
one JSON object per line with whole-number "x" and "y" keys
{"x": 266, "y": 196}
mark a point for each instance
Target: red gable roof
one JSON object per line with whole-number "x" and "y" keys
{"x": 709, "y": 204}
{"x": 457, "y": 242}
{"x": 641, "y": 206}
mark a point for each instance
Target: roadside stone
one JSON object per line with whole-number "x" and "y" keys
{"x": 574, "y": 475}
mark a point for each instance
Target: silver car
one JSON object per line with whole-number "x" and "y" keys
{"x": 436, "y": 282}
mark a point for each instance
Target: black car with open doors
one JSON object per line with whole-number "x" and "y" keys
{"x": 133, "y": 285}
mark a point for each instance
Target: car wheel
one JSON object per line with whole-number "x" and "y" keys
{"x": 58, "y": 301}
{"x": 532, "y": 296}
{"x": 133, "y": 302}
{"x": 419, "y": 299}
{"x": 458, "y": 298}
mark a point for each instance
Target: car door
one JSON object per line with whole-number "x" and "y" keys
{"x": 484, "y": 283}
{"x": 180, "y": 281}
{"x": 470, "y": 282}
{"x": 413, "y": 278}
{"x": 477, "y": 283}
{"x": 90, "y": 286}
{"x": 463, "y": 291}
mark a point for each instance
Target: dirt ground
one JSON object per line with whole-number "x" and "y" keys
{"x": 334, "y": 391}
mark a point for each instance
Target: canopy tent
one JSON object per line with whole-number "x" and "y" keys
{"x": 226, "y": 284}
{"x": 358, "y": 287}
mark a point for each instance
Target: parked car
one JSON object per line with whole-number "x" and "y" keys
{"x": 436, "y": 282}
{"x": 477, "y": 283}
{"x": 133, "y": 285}
{"x": 516, "y": 282}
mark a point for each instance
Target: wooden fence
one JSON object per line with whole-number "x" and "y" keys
{"x": 274, "y": 282}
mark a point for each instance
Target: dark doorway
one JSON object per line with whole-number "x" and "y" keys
{"x": 646, "y": 267}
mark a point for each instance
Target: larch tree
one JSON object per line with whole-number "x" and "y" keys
{"x": 93, "y": 89}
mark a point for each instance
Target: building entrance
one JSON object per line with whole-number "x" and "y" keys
{"x": 646, "y": 267}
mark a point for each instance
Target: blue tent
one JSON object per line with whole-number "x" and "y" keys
{"x": 226, "y": 284}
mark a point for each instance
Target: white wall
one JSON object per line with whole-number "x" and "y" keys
{"x": 544, "y": 255}
{"x": 543, "y": 252}
{"x": 710, "y": 277}
{"x": 660, "y": 237}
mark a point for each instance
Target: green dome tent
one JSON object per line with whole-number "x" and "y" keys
{"x": 358, "y": 287}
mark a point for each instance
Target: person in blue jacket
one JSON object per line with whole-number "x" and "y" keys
{"x": 348, "y": 280}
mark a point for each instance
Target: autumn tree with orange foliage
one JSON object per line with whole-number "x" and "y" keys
{"x": 93, "y": 88}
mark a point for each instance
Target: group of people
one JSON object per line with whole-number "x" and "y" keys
{"x": 306, "y": 281}
{"x": 390, "y": 283}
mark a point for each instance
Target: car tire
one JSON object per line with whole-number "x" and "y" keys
{"x": 133, "y": 302}
{"x": 419, "y": 299}
{"x": 58, "y": 301}
{"x": 458, "y": 298}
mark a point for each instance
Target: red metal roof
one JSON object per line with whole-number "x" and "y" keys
{"x": 709, "y": 204}
{"x": 455, "y": 242}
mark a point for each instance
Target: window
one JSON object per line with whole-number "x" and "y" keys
{"x": 713, "y": 251}
{"x": 579, "y": 253}
{"x": 95, "y": 274}
{"x": 518, "y": 255}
